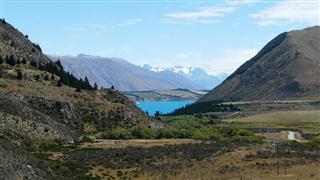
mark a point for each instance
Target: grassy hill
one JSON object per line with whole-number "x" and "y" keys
{"x": 287, "y": 68}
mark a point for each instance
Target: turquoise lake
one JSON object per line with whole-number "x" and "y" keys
{"x": 163, "y": 106}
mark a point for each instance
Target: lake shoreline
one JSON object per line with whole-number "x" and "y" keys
{"x": 163, "y": 107}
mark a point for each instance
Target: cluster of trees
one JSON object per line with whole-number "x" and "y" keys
{"x": 3, "y": 21}
{"x": 56, "y": 68}
{"x": 12, "y": 61}
{"x": 66, "y": 78}
{"x": 203, "y": 133}
{"x": 204, "y": 107}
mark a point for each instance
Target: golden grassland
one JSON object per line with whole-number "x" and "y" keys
{"x": 235, "y": 165}
{"x": 306, "y": 121}
{"x": 232, "y": 165}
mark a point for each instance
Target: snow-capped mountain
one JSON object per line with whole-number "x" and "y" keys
{"x": 121, "y": 74}
{"x": 196, "y": 75}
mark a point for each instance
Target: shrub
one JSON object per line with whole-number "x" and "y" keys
{"x": 185, "y": 122}
{"x": 19, "y": 74}
{"x": 119, "y": 133}
{"x": 169, "y": 133}
{"x": 59, "y": 83}
{"x": 10, "y": 60}
{"x": 48, "y": 147}
{"x": 46, "y": 77}
{"x": 243, "y": 132}
{"x": 208, "y": 133}
{"x": 144, "y": 133}
{"x": 228, "y": 131}
{"x": 251, "y": 139}
{"x": 86, "y": 139}
{"x": 34, "y": 63}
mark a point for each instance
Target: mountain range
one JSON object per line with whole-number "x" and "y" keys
{"x": 124, "y": 76}
{"x": 287, "y": 68}
{"x": 196, "y": 75}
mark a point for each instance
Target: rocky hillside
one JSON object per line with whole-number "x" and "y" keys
{"x": 286, "y": 68}
{"x": 42, "y": 103}
{"x": 36, "y": 104}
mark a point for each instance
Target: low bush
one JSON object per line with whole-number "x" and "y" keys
{"x": 207, "y": 133}
{"x": 48, "y": 147}
{"x": 119, "y": 133}
{"x": 202, "y": 133}
{"x": 250, "y": 139}
{"x": 144, "y": 133}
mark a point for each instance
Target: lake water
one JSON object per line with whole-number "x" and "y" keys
{"x": 162, "y": 106}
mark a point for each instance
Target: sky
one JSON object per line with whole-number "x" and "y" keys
{"x": 217, "y": 36}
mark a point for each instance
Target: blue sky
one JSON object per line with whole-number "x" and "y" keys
{"x": 215, "y": 35}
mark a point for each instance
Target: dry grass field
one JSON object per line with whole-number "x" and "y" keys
{"x": 306, "y": 121}
{"x": 247, "y": 162}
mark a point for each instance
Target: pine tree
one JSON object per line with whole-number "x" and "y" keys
{"x": 95, "y": 87}
{"x": 1, "y": 60}
{"x": 46, "y": 77}
{"x": 87, "y": 83}
{"x": 10, "y": 60}
{"x": 37, "y": 77}
{"x": 24, "y": 61}
{"x": 19, "y": 74}
{"x": 58, "y": 63}
{"x": 34, "y": 64}
{"x": 59, "y": 84}
{"x": 78, "y": 89}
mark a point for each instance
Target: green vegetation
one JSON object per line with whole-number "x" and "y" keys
{"x": 19, "y": 74}
{"x": 70, "y": 169}
{"x": 204, "y": 107}
{"x": 48, "y": 147}
{"x": 184, "y": 127}
{"x": 66, "y": 77}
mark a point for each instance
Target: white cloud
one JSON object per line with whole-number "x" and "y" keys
{"x": 203, "y": 15}
{"x": 286, "y": 12}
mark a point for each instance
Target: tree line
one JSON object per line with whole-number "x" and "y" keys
{"x": 204, "y": 107}
{"x": 56, "y": 68}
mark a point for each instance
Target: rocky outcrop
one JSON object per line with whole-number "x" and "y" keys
{"x": 19, "y": 118}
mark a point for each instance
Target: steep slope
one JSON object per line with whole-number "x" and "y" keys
{"x": 195, "y": 75}
{"x": 37, "y": 105}
{"x": 123, "y": 75}
{"x": 15, "y": 44}
{"x": 286, "y": 68}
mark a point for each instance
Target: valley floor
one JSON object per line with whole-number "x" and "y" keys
{"x": 192, "y": 159}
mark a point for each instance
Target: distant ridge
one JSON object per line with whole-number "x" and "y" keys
{"x": 121, "y": 74}
{"x": 287, "y": 68}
